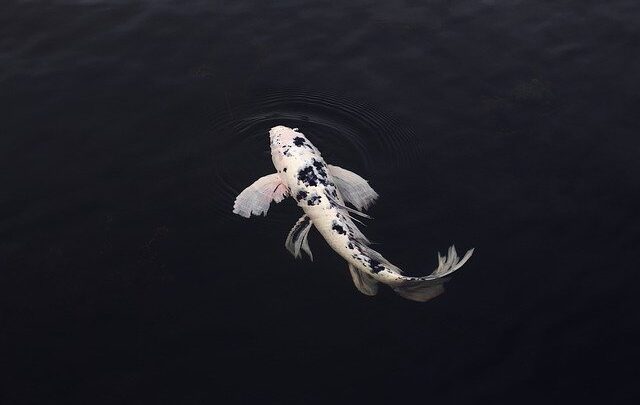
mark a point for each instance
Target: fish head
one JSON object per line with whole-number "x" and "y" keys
{"x": 284, "y": 143}
{"x": 281, "y": 136}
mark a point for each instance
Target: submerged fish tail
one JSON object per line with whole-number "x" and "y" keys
{"x": 414, "y": 288}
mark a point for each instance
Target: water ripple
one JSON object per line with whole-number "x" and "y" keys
{"x": 349, "y": 133}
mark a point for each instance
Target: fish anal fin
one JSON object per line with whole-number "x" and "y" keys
{"x": 363, "y": 282}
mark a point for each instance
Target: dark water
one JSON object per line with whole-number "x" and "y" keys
{"x": 128, "y": 128}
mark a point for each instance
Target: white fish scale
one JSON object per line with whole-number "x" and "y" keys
{"x": 323, "y": 221}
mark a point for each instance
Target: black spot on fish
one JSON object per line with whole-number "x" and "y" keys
{"x": 350, "y": 245}
{"x": 307, "y": 176}
{"x": 320, "y": 167}
{"x": 284, "y": 170}
{"x": 301, "y": 195}
{"x": 298, "y": 141}
{"x": 314, "y": 200}
{"x": 338, "y": 228}
{"x": 376, "y": 267}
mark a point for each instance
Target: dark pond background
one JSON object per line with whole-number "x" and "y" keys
{"x": 127, "y": 129}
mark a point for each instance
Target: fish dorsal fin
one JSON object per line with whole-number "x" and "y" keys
{"x": 255, "y": 199}
{"x": 297, "y": 238}
{"x": 367, "y": 251}
{"x": 357, "y": 233}
{"x": 363, "y": 282}
{"x": 348, "y": 209}
{"x": 353, "y": 188}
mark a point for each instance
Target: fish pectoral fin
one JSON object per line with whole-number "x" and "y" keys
{"x": 353, "y": 188}
{"x": 255, "y": 199}
{"x": 297, "y": 238}
{"x": 363, "y": 282}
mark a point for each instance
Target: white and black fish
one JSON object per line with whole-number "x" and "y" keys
{"x": 321, "y": 190}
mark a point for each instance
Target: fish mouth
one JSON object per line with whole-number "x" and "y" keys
{"x": 279, "y": 130}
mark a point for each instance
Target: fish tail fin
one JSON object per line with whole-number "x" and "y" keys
{"x": 426, "y": 288}
{"x": 420, "y": 293}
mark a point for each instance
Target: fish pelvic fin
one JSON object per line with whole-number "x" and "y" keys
{"x": 297, "y": 238}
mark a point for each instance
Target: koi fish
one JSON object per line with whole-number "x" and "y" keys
{"x": 322, "y": 190}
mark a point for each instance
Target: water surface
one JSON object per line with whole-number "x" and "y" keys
{"x": 129, "y": 127}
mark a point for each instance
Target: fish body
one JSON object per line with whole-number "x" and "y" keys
{"x": 322, "y": 191}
